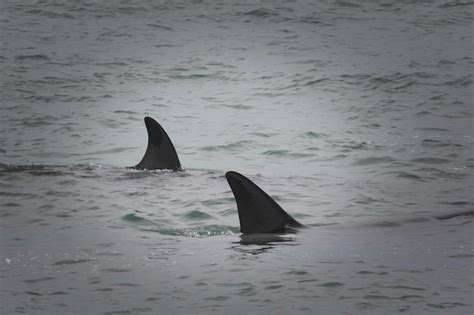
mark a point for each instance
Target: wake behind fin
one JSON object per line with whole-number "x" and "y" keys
{"x": 160, "y": 153}
{"x": 258, "y": 212}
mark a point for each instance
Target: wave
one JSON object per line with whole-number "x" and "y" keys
{"x": 437, "y": 173}
{"x": 373, "y": 160}
{"x": 36, "y": 57}
{"x": 430, "y": 160}
{"x": 286, "y": 154}
{"x": 232, "y": 147}
{"x": 260, "y": 13}
{"x": 451, "y": 4}
{"x": 200, "y": 231}
{"x": 196, "y": 215}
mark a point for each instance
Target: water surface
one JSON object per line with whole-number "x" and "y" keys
{"x": 355, "y": 116}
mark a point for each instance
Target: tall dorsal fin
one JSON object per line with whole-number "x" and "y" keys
{"x": 160, "y": 153}
{"x": 258, "y": 212}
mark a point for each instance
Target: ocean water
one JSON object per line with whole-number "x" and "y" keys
{"x": 356, "y": 116}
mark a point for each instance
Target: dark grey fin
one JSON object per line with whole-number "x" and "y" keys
{"x": 160, "y": 153}
{"x": 258, "y": 212}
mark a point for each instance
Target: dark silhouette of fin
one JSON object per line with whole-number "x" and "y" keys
{"x": 160, "y": 153}
{"x": 258, "y": 212}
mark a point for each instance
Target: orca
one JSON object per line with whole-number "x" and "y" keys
{"x": 258, "y": 212}
{"x": 160, "y": 153}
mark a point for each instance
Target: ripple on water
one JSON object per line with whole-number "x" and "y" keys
{"x": 116, "y": 270}
{"x": 332, "y": 284}
{"x": 457, "y": 203}
{"x": 431, "y": 143}
{"x": 10, "y": 204}
{"x": 432, "y": 129}
{"x": 41, "y": 121}
{"x": 434, "y": 172}
{"x": 16, "y": 194}
{"x": 111, "y": 151}
{"x": 217, "y": 298}
{"x": 446, "y": 305}
{"x": 354, "y": 146}
{"x": 160, "y": 26}
{"x": 260, "y": 13}
{"x": 273, "y": 287}
{"x": 405, "y": 287}
{"x": 286, "y": 154}
{"x": 461, "y": 81}
{"x": 110, "y": 254}
{"x": 307, "y": 280}
{"x": 4, "y": 213}
{"x": 36, "y": 280}
{"x": 192, "y": 76}
{"x": 365, "y": 200}
{"x": 406, "y": 175}
{"x": 248, "y": 291}
{"x": 240, "y": 106}
{"x": 314, "y": 135}
{"x": 296, "y": 273}
{"x": 217, "y": 201}
{"x": 373, "y": 160}
{"x": 62, "y": 194}
{"x": 232, "y": 147}
{"x": 228, "y": 212}
{"x": 364, "y": 306}
{"x": 198, "y": 231}
{"x": 36, "y": 57}
{"x": 126, "y": 284}
{"x": 136, "y": 219}
{"x": 197, "y": 215}
{"x": 58, "y": 293}
{"x": 71, "y": 262}
{"x": 137, "y": 174}
{"x": 469, "y": 256}
{"x": 33, "y": 293}
{"x": 430, "y": 160}
{"x": 377, "y": 297}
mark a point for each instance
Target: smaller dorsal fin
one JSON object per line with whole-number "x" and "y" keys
{"x": 258, "y": 212}
{"x": 160, "y": 153}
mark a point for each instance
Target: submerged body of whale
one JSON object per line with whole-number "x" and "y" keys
{"x": 259, "y": 213}
{"x": 160, "y": 153}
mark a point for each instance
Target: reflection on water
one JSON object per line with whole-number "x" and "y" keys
{"x": 266, "y": 239}
{"x": 256, "y": 244}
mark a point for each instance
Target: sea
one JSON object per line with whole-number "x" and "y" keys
{"x": 355, "y": 116}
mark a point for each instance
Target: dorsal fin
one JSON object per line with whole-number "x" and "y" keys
{"x": 160, "y": 153}
{"x": 258, "y": 212}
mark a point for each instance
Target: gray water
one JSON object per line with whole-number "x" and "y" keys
{"x": 356, "y": 117}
